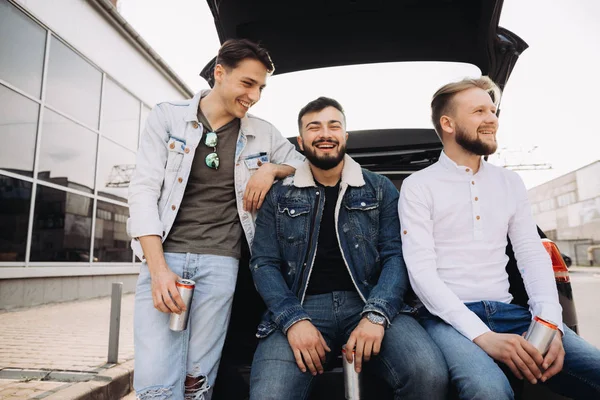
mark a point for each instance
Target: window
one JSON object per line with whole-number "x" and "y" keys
{"x": 22, "y": 44}
{"x": 67, "y": 153}
{"x": 120, "y": 115}
{"x": 566, "y": 199}
{"x": 114, "y": 170}
{"x": 73, "y": 85}
{"x": 111, "y": 243}
{"x": 18, "y": 126}
{"x": 15, "y": 199}
{"x": 62, "y": 225}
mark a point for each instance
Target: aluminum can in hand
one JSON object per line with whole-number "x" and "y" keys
{"x": 541, "y": 333}
{"x": 178, "y": 322}
{"x": 352, "y": 379}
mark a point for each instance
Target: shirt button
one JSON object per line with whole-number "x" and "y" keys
{"x": 478, "y": 217}
{"x": 467, "y": 170}
{"x": 173, "y": 207}
{"x": 180, "y": 179}
{"x": 172, "y": 145}
{"x": 195, "y": 125}
{"x": 187, "y": 150}
{"x": 476, "y": 198}
{"x": 472, "y": 182}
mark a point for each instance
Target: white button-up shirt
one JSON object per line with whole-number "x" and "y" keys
{"x": 454, "y": 234}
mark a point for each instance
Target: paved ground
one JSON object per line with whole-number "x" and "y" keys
{"x": 60, "y": 338}
{"x": 586, "y": 288}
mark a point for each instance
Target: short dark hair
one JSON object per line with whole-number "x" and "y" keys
{"x": 317, "y": 105}
{"x": 233, "y": 51}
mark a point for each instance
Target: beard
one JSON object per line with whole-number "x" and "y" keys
{"x": 327, "y": 161}
{"x": 474, "y": 145}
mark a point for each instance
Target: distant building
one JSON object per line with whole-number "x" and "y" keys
{"x": 76, "y": 85}
{"x": 567, "y": 209}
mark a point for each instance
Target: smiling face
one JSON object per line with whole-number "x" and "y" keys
{"x": 323, "y": 137}
{"x": 240, "y": 88}
{"x": 473, "y": 121}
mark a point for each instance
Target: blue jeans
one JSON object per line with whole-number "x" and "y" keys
{"x": 164, "y": 358}
{"x": 409, "y": 360}
{"x": 477, "y": 376}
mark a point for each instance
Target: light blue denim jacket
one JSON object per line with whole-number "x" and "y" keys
{"x": 368, "y": 232}
{"x": 164, "y": 161}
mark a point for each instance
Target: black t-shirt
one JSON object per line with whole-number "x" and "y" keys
{"x": 329, "y": 272}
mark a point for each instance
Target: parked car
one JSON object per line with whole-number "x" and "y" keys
{"x": 303, "y": 36}
{"x": 567, "y": 260}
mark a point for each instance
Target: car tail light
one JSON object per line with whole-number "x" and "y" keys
{"x": 561, "y": 272}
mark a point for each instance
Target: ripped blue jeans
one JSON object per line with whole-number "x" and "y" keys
{"x": 164, "y": 358}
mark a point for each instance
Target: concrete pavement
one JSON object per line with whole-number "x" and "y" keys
{"x": 59, "y": 351}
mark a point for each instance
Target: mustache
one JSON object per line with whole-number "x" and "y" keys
{"x": 332, "y": 141}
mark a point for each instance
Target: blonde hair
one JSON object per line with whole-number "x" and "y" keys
{"x": 441, "y": 103}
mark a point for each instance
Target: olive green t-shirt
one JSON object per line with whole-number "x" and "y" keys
{"x": 207, "y": 221}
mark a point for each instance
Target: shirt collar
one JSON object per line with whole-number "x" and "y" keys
{"x": 451, "y": 166}
{"x": 192, "y": 113}
{"x": 351, "y": 174}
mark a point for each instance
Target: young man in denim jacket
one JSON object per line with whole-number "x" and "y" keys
{"x": 327, "y": 261}
{"x": 203, "y": 168}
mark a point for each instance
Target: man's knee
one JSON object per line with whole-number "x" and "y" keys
{"x": 485, "y": 387}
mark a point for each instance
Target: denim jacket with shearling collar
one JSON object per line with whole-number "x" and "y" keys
{"x": 368, "y": 233}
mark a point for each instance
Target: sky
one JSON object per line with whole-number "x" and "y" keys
{"x": 547, "y": 106}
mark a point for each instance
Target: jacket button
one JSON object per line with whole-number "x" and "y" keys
{"x": 187, "y": 150}
{"x": 180, "y": 179}
{"x": 195, "y": 125}
{"x": 172, "y": 145}
{"x": 363, "y": 204}
{"x": 173, "y": 207}
{"x": 292, "y": 211}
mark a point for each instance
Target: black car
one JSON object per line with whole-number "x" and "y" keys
{"x": 567, "y": 259}
{"x": 303, "y": 36}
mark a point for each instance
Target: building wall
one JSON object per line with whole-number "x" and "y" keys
{"x": 84, "y": 28}
{"x": 74, "y": 95}
{"x": 568, "y": 210}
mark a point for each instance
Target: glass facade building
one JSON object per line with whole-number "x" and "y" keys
{"x": 69, "y": 135}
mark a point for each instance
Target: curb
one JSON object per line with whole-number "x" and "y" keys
{"x": 112, "y": 383}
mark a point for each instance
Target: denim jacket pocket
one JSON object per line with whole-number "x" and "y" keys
{"x": 176, "y": 148}
{"x": 363, "y": 213}
{"x": 359, "y": 204}
{"x": 292, "y": 222}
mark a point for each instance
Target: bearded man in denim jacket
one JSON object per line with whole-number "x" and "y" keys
{"x": 327, "y": 261}
{"x": 203, "y": 168}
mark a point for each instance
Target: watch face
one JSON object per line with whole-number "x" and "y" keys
{"x": 376, "y": 318}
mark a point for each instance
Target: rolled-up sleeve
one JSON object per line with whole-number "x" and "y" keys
{"x": 284, "y": 152}
{"x": 147, "y": 180}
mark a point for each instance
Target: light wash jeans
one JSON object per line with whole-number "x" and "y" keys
{"x": 163, "y": 358}
{"x": 409, "y": 361}
{"x": 477, "y": 376}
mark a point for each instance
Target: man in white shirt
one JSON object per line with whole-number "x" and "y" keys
{"x": 456, "y": 217}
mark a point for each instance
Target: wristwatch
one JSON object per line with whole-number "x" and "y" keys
{"x": 376, "y": 318}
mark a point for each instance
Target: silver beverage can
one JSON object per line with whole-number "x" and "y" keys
{"x": 352, "y": 380}
{"x": 540, "y": 334}
{"x": 178, "y": 322}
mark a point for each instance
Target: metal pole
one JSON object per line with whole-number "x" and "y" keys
{"x": 115, "y": 323}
